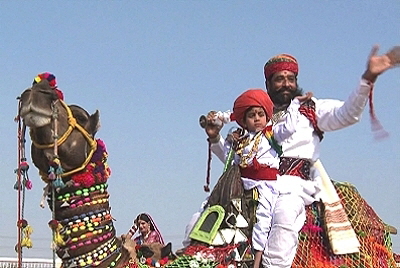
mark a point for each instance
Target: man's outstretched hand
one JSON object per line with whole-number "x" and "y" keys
{"x": 378, "y": 64}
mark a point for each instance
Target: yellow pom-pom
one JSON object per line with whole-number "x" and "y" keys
{"x": 58, "y": 238}
{"x": 26, "y": 240}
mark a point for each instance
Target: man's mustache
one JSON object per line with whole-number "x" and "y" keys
{"x": 282, "y": 89}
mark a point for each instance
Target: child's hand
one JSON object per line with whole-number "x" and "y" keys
{"x": 305, "y": 97}
{"x": 212, "y": 130}
{"x": 235, "y": 136}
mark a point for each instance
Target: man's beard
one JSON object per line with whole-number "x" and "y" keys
{"x": 283, "y": 96}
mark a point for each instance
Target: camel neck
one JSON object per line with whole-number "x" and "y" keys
{"x": 86, "y": 227}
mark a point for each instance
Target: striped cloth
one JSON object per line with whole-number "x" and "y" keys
{"x": 341, "y": 235}
{"x": 307, "y": 109}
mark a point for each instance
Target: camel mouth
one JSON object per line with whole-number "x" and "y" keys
{"x": 35, "y": 120}
{"x": 35, "y": 116}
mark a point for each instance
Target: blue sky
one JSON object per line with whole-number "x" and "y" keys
{"x": 153, "y": 67}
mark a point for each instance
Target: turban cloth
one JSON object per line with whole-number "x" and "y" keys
{"x": 52, "y": 82}
{"x": 250, "y": 98}
{"x": 46, "y": 76}
{"x": 279, "y": 63}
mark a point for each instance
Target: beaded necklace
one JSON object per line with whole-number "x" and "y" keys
{"x": 91, "y": 228}
{"x": 278, "y": 115}
{"x": 96, "y": 256}
{"x": 243, "y": 163}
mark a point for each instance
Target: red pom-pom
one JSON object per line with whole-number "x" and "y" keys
{"x": 53, "y": 224}
{"x": 148, "y": 261}
{"x": 24, "y": 165}
{"x": 85, "y": 179}
{"x": 22, "y": 223}
{"x": 163, "y": 261}
{"x": 59, "y": 93}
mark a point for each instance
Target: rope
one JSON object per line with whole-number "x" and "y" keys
{"x": 53, "y": 190}
{"x": 207, "y": 185}
{"x": 24, "y": 230}
{"x": 19, "y": 208}
{"x": 227, "y": 164}
{"x": 60, "y": 140}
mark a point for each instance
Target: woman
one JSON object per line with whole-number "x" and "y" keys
{"x": 148, "y": 230}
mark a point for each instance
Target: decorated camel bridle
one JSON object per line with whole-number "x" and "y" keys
{"x": 72, "y": 124}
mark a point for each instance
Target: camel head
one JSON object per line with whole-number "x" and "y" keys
{"x": 48, "y": 117}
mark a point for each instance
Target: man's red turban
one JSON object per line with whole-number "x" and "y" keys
{"x": 250, "y": 98}
{"x": 279, "y": 63}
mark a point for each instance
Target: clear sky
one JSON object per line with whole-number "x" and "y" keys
{"x": 153, "y": 67}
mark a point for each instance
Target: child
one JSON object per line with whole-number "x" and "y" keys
{"x": 258, "y": 161}
{"x": 257, "y": 154}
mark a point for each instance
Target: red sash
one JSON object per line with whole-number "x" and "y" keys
{"x": 259, "y": 172}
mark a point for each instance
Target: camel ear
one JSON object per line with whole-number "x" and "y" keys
{"x": 166, "y": 251}
{"x": 94, "y": 122}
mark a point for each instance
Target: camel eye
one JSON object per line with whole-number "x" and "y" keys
{"x": 81, "y": 118}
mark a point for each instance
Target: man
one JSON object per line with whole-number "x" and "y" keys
{"x": 301, "y": 149}
{"x": 316, "y": 117}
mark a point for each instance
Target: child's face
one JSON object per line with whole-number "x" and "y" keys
{"x": 255, "y": 119}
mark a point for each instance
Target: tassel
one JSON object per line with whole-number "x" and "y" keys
{"x": 59, "y": 170}
{"x": 16, "y": 185}
{"x": 26, "y": 240}
{"x": 58, "y": 183}
{"x": 376, "y": 126}
{"x": 24, "y": 166}
{"x": 26, "y": 232}
{"x": 57, "y": 237}
{"x": 44, "y": 195}
{"x": 52, "y": 174}
{"x": 28, "y": 184}
{"x": 57, "y": 164}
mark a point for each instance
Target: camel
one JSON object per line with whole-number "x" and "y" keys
{"x": 63, "y": 142}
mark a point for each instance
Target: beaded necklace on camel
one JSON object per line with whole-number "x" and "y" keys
{"x": 91, "y": 227}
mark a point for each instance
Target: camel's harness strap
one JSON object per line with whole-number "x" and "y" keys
{"x": 58, "y": 141}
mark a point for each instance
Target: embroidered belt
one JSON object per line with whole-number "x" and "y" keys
{"x": 262, "y": 172}
{"x": 295, "y": 167}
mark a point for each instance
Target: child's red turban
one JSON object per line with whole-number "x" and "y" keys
{"x": 250, "y": 98}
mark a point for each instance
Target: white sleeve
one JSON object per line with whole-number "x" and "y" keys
{"x": 284, "y": 128}
{"x": 335, "y": 114}
{"x": 220, "y": 149}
